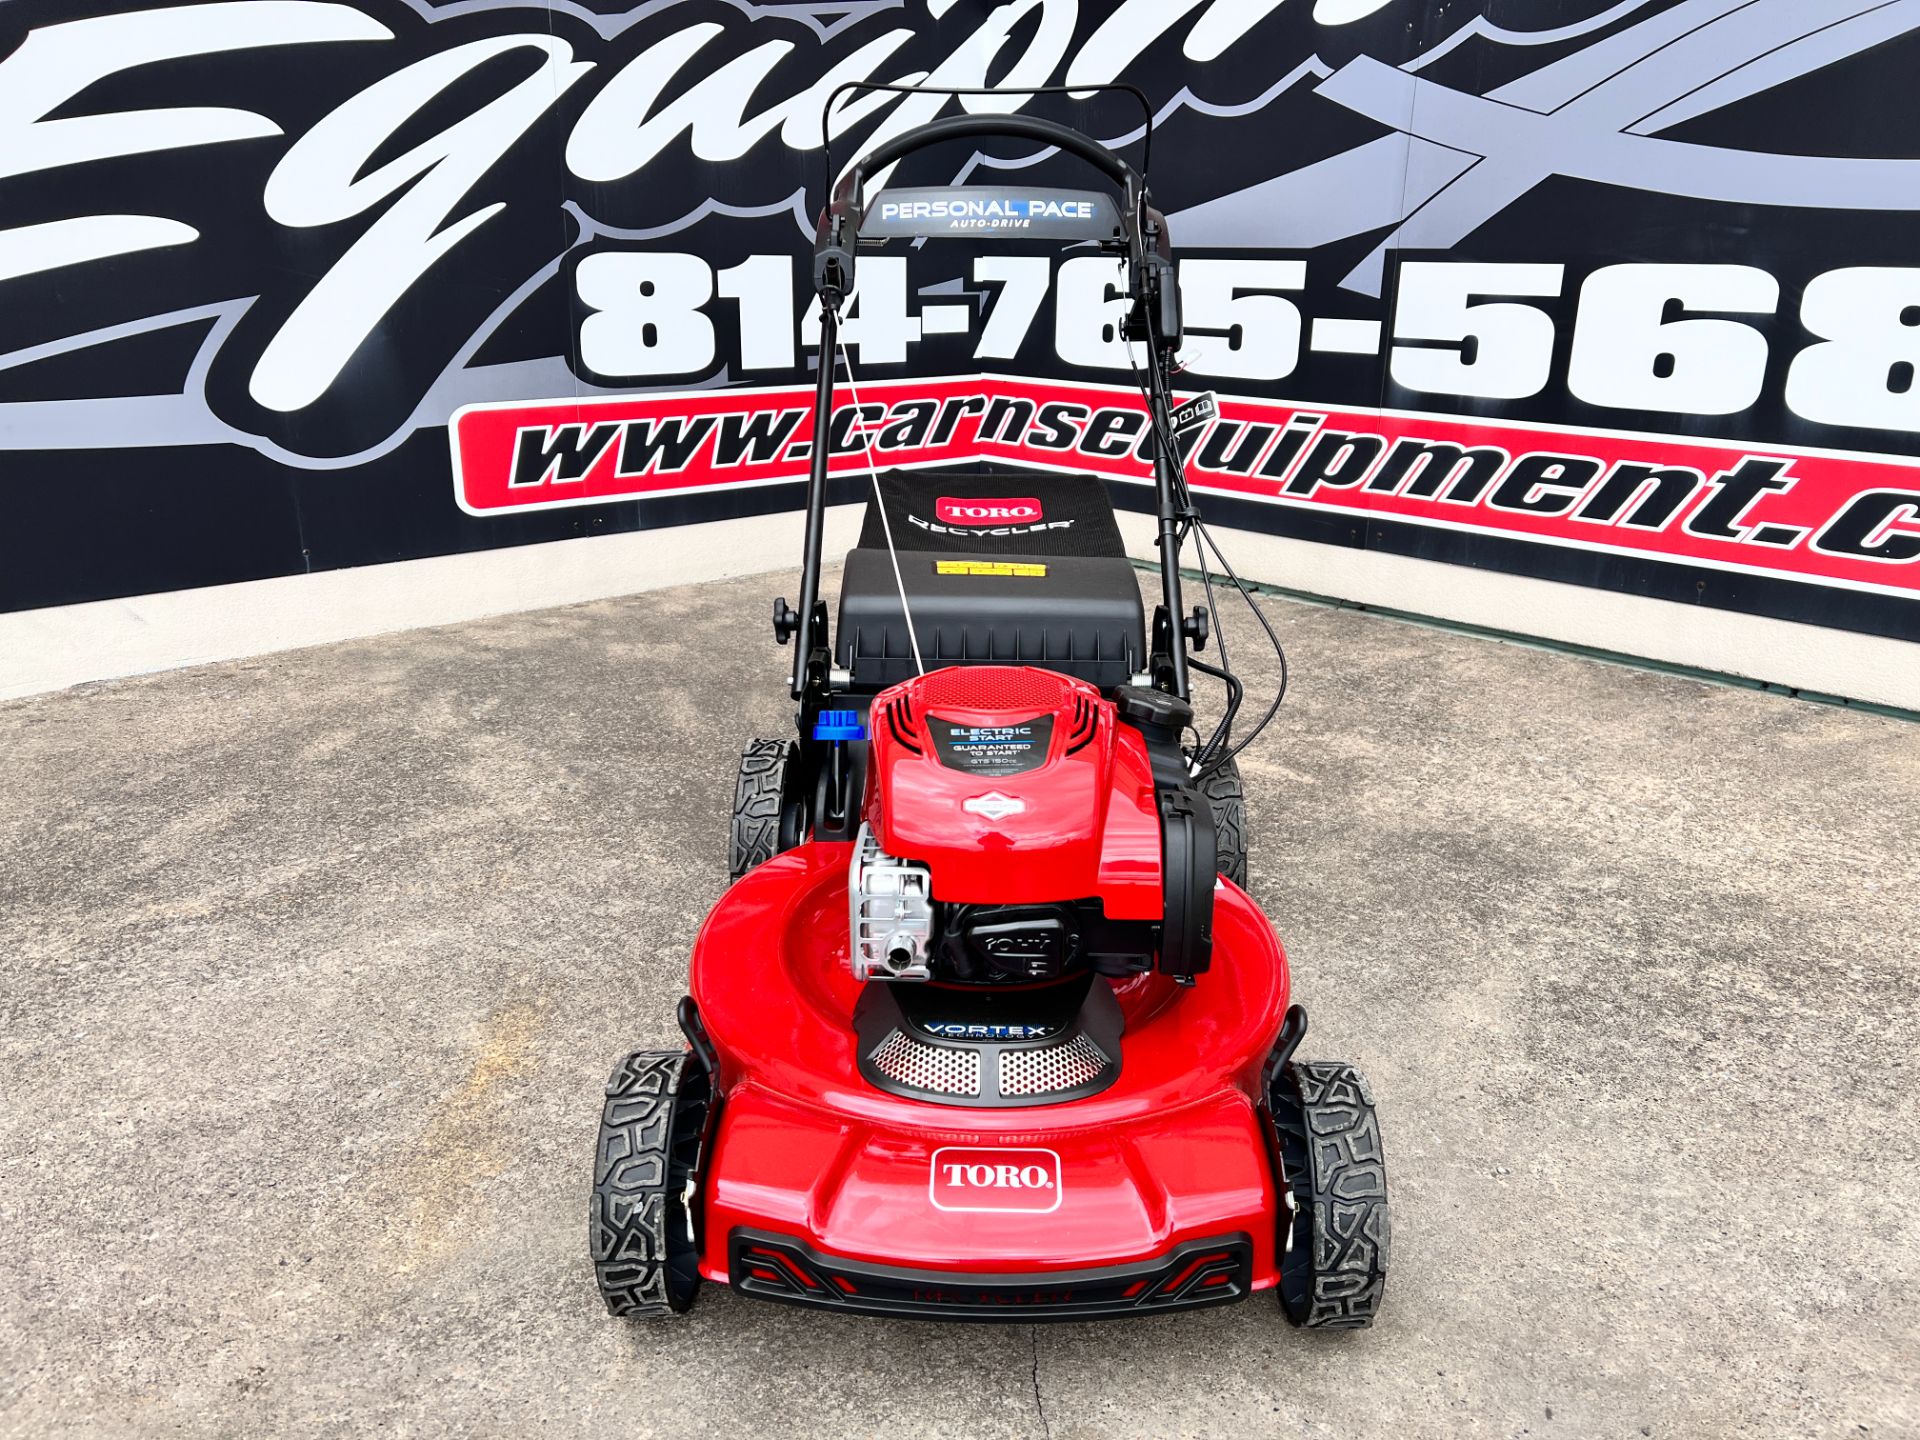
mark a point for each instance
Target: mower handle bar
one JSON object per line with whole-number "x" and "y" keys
{"x": 999, "y": 91}
{"x": 1145, "y": 241}
{"x": 839, "y": 233}
{"x": 960, "y": 127}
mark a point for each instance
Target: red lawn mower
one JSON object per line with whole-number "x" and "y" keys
{"x": 986, "y": 1027}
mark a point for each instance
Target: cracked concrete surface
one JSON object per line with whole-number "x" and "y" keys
{"x": 1039, "y": 1402}
{"x": 314, "y": 966}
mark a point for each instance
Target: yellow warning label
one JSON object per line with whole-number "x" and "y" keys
{"x": 988, "y": 567}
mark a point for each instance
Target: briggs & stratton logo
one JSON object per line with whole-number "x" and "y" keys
{"x": 994, "y": 1178}
{"x": 1023, "y": 510}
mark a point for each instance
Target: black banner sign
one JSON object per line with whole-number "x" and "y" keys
{"x": 1618, "y": 292}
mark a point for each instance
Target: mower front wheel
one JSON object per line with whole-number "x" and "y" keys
{"x": 768, "y": 816}
{"x": 1336, "y": 1233}
{"x": 646, "y": 1179}
{"x": 1229, "y": 801}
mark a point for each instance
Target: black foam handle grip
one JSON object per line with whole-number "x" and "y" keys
{"x": 833, "y": 251}
{"x": 960, "y": 127}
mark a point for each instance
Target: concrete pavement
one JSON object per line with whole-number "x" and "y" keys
{"x": 313, "y": 967}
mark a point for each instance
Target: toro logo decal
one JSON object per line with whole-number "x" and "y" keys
{"x": 994, "y": 1178}
{"x": 1023, "y": 510}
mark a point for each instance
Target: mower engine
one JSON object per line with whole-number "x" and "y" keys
{"x": 1013, "y": 834}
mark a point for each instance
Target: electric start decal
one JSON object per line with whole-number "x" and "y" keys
{"x": 999, "y": 1179}
{"x": 992, "y": 750}
{"x": 1017, "y": 569}
{"x": 1833, "y": 518}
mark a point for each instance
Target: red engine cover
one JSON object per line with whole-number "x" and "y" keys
{"x": 972, "y": 763}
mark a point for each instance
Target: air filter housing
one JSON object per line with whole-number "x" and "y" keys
{"x": 1015, "y": 786}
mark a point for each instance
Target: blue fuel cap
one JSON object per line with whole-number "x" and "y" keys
{"x": 839, "y": 725}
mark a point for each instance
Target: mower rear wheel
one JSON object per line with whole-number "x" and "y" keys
{"x": 646, "y": 1175}
{"x": 767, "y": 813}
{"x": 1336, "y": 1233}
{"x": 1223, "y": 791}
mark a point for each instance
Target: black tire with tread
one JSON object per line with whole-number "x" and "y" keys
{"x": 1336, "y": 1245}
{"x": 762, "y": 797}
{"x": 1224, "y": 793}
{"x": 640, "y": 1234}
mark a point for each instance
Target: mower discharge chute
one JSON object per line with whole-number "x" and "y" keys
{"x": 986, "y": 1026}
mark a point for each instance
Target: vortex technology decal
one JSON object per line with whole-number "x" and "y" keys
{"x": 257, "y": 253}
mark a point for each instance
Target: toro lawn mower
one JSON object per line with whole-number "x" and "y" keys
{"x": 986, "y": 1026}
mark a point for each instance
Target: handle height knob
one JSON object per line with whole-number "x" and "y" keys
{"x": 786, "y": 620}
{"x": 1198, "y": 627}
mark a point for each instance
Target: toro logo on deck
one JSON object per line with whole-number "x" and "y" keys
{"x": 994, "y": 1178}
{"x": 1019, "y": 510}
